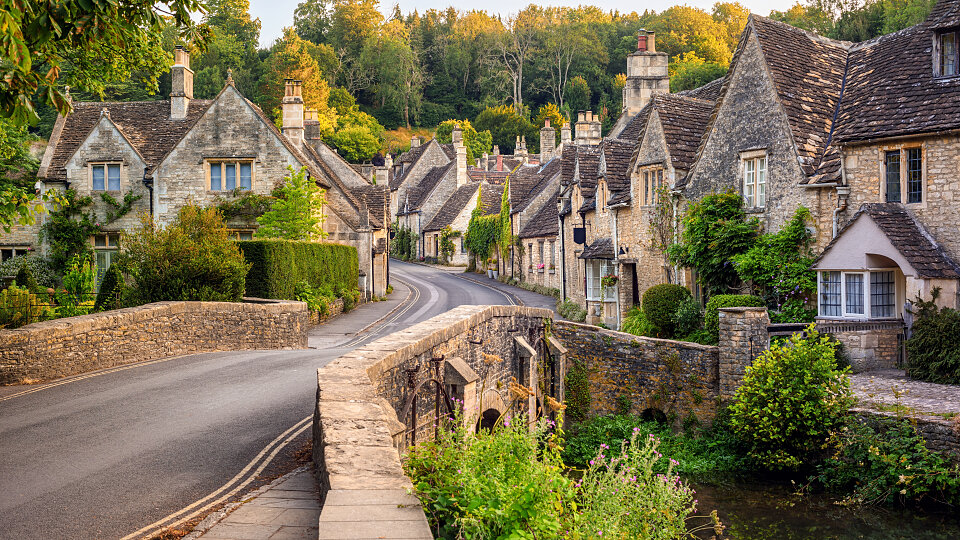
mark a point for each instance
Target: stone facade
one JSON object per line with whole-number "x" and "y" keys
{"x": 868, "y": 345}
{"x": 64, "y": 347}
{"x": 678, "y": 378}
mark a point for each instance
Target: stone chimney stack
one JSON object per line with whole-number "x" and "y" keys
{"x": 388, "y": 161}
{"x": 292, "y": 109}
{"x": 485, "y": 161}
{"x": 382, "y": 175}
{"x": 548, "y": 141}
{"x": 181, "y": 87}
{"x": 646, "y": 73}
{"x": 461, "y": 149}
{"x": 588, "y": 129}
{"x": 414, "y": 142}
{"x": 499, "y": 162}
{"x": 457, "y": 135}
{"x": 566, "y": 137}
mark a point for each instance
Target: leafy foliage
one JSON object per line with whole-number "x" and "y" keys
{"x": 636, "y": 323}
{"x": 404, "y": 244}
{"x": 715, "y": 230}
{"x": 243, "y": 202}
{"x": 318, "y": 299}
{"x": 933, "y": 349}
{"x": 447, "y": 247}
{"x": 297, "y": 212}
{"x": 39, "y": 268}
{"x": 690, "y": 71}
{"x": 791, "y": 399}
{"x": 278, "y": 266}
{"x": 505, "y": 125}
{"x": 711, "y": 315}
{"x": 25, "y": 280}
{"x": 77, "y": 296}
{"x": 68, "y": 229}
{"x": 477, "y": 143}
{"x": 660, "y": 303}
{"x": 571, "y": 310}
{"x": 18, "y": 306}
{"x": 113, "y": 290}
{"x": 192, "y": 259}
{"x": 483, "y": 232}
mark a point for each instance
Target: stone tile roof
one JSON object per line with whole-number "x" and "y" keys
{"x": 636, "y": 125}
{"x": 452, "y": 208}
{"x": 601, "y": 248}
{"x": 350, "y": 206}
{"x": 616, "y": 156}
{"x": 588, "y": 164}
{"x": 145, "y": 124}
{"x": 909, "y": 237}
{"x": 807, "y": 72}
{"x": 493, "y": 177}
{"x": 523, "y": 180}
{"x": 709, "y": 91}
{"x": 546, "y": 222}
{"x": 491, "y": 197}
{"x": 684, "y": 120}
{"x": 568, "y": 164}
{"x": 412, "y": 155}
{"x": 449, "y": 150}
{"x": 890, "y": 89}
{"x": 419, "y": 193}
{"x": 546, "y": 175}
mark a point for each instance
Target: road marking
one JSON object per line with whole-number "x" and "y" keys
{"x": 512, "y": 298}
{"x": 276, "y": 445}
{"x": 434, "y": 294}
{"x": 416, "y": 296}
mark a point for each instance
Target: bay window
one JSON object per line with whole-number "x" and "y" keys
{"x": 857, "y": 294}
{"x": 596, "y": 269}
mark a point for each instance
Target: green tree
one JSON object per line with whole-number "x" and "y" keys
{"x": 297, "y": 214}
{"x": 504, "y": 125}
{"x": 476, "y": 143}
{"x": 577, "y": 94}
{"x": 398, "y": 80}
{"x": 353, "y": 22}
{"x": 682, "y": 29}
{"x": 551, "y": 112}
{"x": 18, "y": 173}
{"x": 355, "y": 143}
{"x": 291, "y": 59}
{"x": 689, "y": 71}
{"x": 312, "y": 20}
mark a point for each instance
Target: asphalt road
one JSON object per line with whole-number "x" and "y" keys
{"x": 104, "y": 456}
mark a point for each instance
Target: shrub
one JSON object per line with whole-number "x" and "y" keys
{"x": 39, "y": 267}
{"x": 19, "y": 307}
{"x": 636, "y": 323}
{"x": 277, "y": 266}
{"x": 25, "y": 279}
{"x": 659, "y": 303}
{"x": 192, "y": 259}
{"x": 112, "y": 290}
{"x": 577, "y": 385}
{"x": 571, "y": 311}
{"x": 792, "y": 398}
{"x": 711, "y": 316}
{"x": 297, "y": 212}
{"x": 687, "y": 318}
{"x": 318, "y": 299}
{"x": 79, "y": 288}
{"x": 933, "y": 349}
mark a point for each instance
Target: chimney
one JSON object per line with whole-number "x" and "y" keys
{"x": 181, "y": 87}
{"x": 496, "y": 150}
{"x": 499, "y": 162}
{"x": 548, "y": 141}
{"x": 461, "y": 164}
{"x": 485, "y": 161}
{"x": 646, "y": 73}
{"x": 588, "y": 129}
{"x": 311, "y": 124}
{"x": 292, "y": 110}
{"x": 388, "y": 161}
{"x": 414, "y": 142}
{"x": 565, "y": 135}
{"x": 381, "y": 175}
{"x": 457, "y": 135}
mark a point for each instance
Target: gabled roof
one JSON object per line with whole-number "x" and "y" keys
{"x": 145, "y": 124}
{"x": 616, "y": 155}
{"x": 546, "y": 222}
{"x": 546, "y": 174}
{"x": 709, "y": 91}
{"x": 522, "y": 181}
{"x": 636, "y": 125}
{"x": 491, "y": 197}
{"x": 359, "y": 195}
{"x": 493, "y": 177}
{"x": 454, "y": 205}
{"x": 906, "y": 234}
{"x": 568, "y": 164}
{"x": 419, "y": 193}
{"x": 601, "y": 248}
{"x": 410, "y": 158}
{"x": 588, "y": 163}
{"x": 684, "y": 120}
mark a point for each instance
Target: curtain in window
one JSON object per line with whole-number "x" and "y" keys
{"x": 215, "y": 181}
{"x": 230, "y": 175}
{"x": 948, "y": 54}
{"x": 854, "y": 290}
{"x": 113, "y": 177}
{"x": 245, "y": 175}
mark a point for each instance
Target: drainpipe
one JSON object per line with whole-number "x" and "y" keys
{"x": 843, "y": 191}
{"x": 616, "y": 259}
{"x": 563, "y": 255}
{"x": 148, "y": 182}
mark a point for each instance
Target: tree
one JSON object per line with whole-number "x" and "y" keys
{"x": 689, "y": 71}
{"x": 567, "y": 40}
{"x": 551, "y": 112}
{"x": 504, "y": 125}
{"x": 398, "y": 80}
{"x": 683, "y": 29}
{"x": 353, "y": 22}
{"x": 476, "y": 143}
{"x": 578, "y": 94}
{"x": 355, "y": 143}
{"x": 297, "y": 214}
{"x": 515, "y": 45}
{"x": 291, "y": 59}
{"x": 312, "y": 20}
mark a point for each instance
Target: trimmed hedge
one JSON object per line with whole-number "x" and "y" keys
{"x": 933, "y": 349}
{"x": 277, "y": 266}
{"x": 711, "y": 317}
{"x": 659, "y": 303}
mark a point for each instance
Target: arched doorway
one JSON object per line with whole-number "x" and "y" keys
{"x": 488, "y": 420}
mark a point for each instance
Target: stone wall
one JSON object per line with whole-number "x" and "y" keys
{"x": 680, "y": 379}
{"x": 358, "y": 429}
{"x": 941, "y": 435}
{"x": 867, "y": 345}
{"x": 75, "y": 345}
{"x": 743, "y": 336}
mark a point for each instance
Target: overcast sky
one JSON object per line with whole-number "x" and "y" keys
{"x": 277, "y": 14}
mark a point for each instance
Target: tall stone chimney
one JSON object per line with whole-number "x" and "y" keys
{"x": 292, "y": 110}
{"x": 181, "y": 87}
{"x": 646, "y": 73}
{"x": 457, "y": 136}
{"x": 548, "y": 141}
{"x": 414, "y": 142}
{"x": 485, "y": 161}
{"x": 566, "y": 137}
{"x": 587, "y": 129}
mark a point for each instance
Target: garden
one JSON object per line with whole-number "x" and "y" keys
{"x": 785, "y": 458}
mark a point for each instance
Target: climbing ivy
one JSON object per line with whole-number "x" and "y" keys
{"x": 119, "y": 209}
{"x": 446, "y": 243}
{"x": 244, "y": 203}
{"x": 506, "y": 227}
{"x": 482, "y": 231}
{"x": 577, "y": 384}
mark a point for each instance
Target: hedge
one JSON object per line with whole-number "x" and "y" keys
{"x": 277, "y": 266}
{"x": 659, "y": 303}
{"x": 711, "y": 315}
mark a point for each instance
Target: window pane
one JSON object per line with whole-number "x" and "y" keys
{"x": 854, "y": 290}
{"x": 892, "y": 163}
{"x": 749, "y": 183}
{"x": 215, "y": 172}
{"x": 98, "y": 184}
{"x": 230, "y": 175}
{"x": 883, "y": 295}
{"x": 761, "y": 181}
{"x": 948, "y": 54}
{"x": 113, "y": 177}
{"x": 245, "y": 235}
{"x": 646, "y": 187}
{"x": 914, "y": 175}
{"x": 245, "y": 169}
{"x": 113, "y": 241}
{"x": 100, "y": 241}
{"x": 830, "y": 294}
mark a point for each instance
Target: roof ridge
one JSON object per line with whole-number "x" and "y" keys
{"x": 812, "y": 35}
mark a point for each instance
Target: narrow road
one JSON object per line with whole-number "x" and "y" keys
{"x": 107, "y": 455}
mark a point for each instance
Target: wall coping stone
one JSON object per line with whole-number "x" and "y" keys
{"x": 741, "y": 309}
{"x": 626, "y": 335}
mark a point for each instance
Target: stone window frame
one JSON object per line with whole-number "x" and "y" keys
{"x": 530, "y": 257}
{"x": 755, "y": 156}
{"x": 867, "y": 292}
{"x": 208, "y": 163}
{"x": 239, "y": 234}
{"x": 903, "y": 148}
{"x": 938, "y": 53}
{"x": 553, "y": 257}
{"x": 106, "y": 163}
{"x": 649, "y": 180}
{"x": 14, "y": 250}
{"x": 541, "y": 244}
{"x": 596, "y": 269}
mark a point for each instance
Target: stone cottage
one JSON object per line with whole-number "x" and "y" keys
{"x": 160, "y": 155}
{"x": 456, "y": 214}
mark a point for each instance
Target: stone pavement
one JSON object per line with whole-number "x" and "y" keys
{"x": 889, "y": 388}
{"x": 286, "y": 509}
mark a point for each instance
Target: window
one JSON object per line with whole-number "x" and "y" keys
{"x": 899, "y": 164}
{"x": 7, "y": 252}
{"x": 230, "y": 175}
{"x": 463, "y": 245}
{"x": 106, "y": 176}
{"x": 530, "y": 256}
{"x": 542, "y": 260}
{"x": 596, "y": 269}
{"x": 241, "y": 235}
{"x": 646, "y": 187}
{"x": 755, "y": 182}
{"x": 652, "y": 180}
{"x": 553, "y": 255}
{"x": 846, "y": 294}
{"x": 949, "y": 63}
{"x": 105, "y": 248}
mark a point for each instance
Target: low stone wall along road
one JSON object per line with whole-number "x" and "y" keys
{"x": 105, "y": 454}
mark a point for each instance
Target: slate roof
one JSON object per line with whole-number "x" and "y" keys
{"x": 568, "y": 164}
{"x": 635, "y": 126}
{"x": 909, "y": 237}
{"x": 491, "y": 195}
{"x": 616, "y": 155}
{"x": 359, "y": 194}
{"x": 494, "y": 177}
{"x": 410, "y": 157}
{"x": 601, "y": 248}
{"x": 145, "y": 124}
{"x": 546, "y": 175}
{"x": 588, "y": 161}
{"x": 890, "y": 87}
{"x": 546, "y": 222}
{"x": 684, "y": 120}
{"x": 709, "y": 91}
{"x": 454, "y": 205}
{"x": 418, "y": 194}
{"x": 522, "y": 182}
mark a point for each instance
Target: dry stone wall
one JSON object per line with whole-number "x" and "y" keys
{"x": 75, "y": 345}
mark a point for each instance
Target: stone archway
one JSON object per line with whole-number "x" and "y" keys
{"x": 488, "y": 420}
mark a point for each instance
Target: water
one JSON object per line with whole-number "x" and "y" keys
{"x": 771, "y": 512}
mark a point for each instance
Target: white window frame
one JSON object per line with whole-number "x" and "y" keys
{"x": 221, "y": 164}
{"x": 755, "y": 168}
{"x": 106, "y": 175}
{"x": 109, "y": 250}
{"x": 867, "y": 307}
{"x": 596, "y": 269}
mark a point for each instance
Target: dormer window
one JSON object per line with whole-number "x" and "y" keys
{"x": 948, "y": 59}
{"x": 106, "y": 176}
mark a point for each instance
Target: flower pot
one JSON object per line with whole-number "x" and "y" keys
{"x": 490, "y": 273}
{"x": 496, "y": 274}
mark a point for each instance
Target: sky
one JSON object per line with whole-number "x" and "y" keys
{"x": 276, "y": 14}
